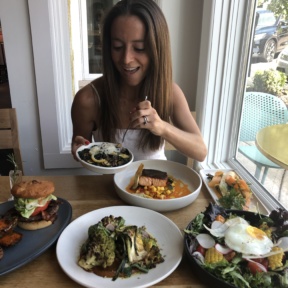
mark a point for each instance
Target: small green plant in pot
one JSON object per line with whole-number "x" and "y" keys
{"x": 269, "y": 81}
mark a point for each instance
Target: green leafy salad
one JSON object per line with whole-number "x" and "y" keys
{"x": 113, "y": 245}
{"x": 241, "y": 248}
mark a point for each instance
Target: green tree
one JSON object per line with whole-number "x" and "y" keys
{"x": 279, "y": 7}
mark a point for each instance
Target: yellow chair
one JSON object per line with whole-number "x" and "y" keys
{"x": 9, "y": 134}
{"x": 259, "y": 110}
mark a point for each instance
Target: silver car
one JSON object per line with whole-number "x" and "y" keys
{"x": 282, "y": 61}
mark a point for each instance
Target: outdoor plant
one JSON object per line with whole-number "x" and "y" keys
{"x": 269, "y": 81}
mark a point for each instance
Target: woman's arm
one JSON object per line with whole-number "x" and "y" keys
{"x": 184, "y": 134}
{"x": 84, "y": 114}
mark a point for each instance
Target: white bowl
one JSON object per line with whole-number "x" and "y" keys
{"x": 100, "y": 169}
{"x": 177, "y": 170}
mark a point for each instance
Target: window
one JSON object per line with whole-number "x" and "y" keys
{"x": 224, "y": 67}
{"x": 85, "y": 19}
{"x": 265, "y": 101}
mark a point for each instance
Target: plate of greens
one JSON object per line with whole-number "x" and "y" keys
{"x": 232, "y": 248}
{"x": 231, "y": 191}
{"x": 69, "y": 248}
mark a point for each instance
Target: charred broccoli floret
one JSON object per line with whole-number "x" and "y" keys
{"x": 111, "y": 223}
{"x": 110, "y": 239}
{"x": 139, "y": 250}
{"x": 98, "y": 249}
{"x": 134, "y": 244}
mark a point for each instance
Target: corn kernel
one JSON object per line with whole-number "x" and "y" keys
{"x": 213, "y": 256}
{"x": 275, "y": 261}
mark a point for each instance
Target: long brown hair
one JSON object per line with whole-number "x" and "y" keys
{"x": 158, "y": 81}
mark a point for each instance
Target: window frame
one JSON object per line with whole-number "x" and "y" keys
{"x": 86, "y": 75}
{"x": 80, "y": 44}
{"x": 50, "y": 37}
{"x": 221, "y": 74}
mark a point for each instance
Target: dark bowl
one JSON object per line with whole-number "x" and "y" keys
{"x": 207, "y": 277}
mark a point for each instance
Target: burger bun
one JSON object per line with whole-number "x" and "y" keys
{"x": 33, "y": 189}
{"x": 34, "y": 225}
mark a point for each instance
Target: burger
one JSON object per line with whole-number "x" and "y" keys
{"x": 34, "y": 204}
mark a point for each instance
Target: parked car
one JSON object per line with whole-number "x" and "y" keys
{"x": 282, "y": 61}
{"x": 271, "y": 35}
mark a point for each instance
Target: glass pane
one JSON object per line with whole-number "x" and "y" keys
{"x": 95, "y": 12}
{"x": 265, "y": 105}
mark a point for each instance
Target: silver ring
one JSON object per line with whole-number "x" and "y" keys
{"x": 145, "y": 120}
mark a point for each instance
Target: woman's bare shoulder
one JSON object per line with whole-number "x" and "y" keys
{"x": 177, "y": 94}
{"x": 98, "y": 83}
{"x": 86, "y": 95}
{"x": 176, "y": 89}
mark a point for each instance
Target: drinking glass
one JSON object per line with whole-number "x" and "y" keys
{"x": 15, "y": 176}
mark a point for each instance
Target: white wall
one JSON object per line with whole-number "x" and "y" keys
{"x": 14, "y": 17}
{"x": 184, "y": 19}
{"x": 19, "y": 58}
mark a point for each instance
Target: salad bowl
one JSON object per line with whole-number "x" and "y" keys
{"x": 236, "y": 273}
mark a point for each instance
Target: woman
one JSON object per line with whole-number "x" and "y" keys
{"x": 136, "y": 64}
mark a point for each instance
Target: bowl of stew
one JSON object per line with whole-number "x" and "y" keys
{"x": 181, "y": 189}
{"x": 104, "y": 157}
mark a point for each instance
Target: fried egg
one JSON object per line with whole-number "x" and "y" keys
{"x": 242, "y": 237}
{"x": 247, "y": 239}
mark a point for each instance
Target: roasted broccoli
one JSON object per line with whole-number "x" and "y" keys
{"x": 98, "y": 249}
{"x": 110, "y": 239}
{"x": 134, "y": 244}
{"x": 137, "y": 249}
{"x": 111, "y": 223}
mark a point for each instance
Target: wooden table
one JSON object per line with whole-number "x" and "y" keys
{"x": 272, "y": 142}
{"x": 85, "y": 194}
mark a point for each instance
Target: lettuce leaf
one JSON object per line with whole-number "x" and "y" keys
{"x": 27, "y": 206}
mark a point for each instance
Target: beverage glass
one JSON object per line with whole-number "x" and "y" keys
{"x": 15, "y": 176}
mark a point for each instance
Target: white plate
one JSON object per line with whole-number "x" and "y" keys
{"x": 255, "y": 206}
{"x": 177, "y": 170}
{"x": 168, "y": 235}
{"x": 100, "y": 169}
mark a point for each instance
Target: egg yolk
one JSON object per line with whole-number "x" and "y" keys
{"x": 255, "y": 232}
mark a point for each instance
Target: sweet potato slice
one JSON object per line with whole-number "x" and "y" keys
{"x": 7, "y": 225}
{"x": 10, "y": 239}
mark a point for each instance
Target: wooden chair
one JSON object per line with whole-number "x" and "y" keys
{"x": 173, "y": 155}
{"x": 9, "y": 134}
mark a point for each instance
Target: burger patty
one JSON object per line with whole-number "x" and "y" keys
{"x": 50, "y": 214}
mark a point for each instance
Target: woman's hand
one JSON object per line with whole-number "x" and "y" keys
{"x": 77, "y": 142}
{"x": 144, "y": 116}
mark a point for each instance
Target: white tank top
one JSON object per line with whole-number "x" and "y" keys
{"x": 130, "y": 142}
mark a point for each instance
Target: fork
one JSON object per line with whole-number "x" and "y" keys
{"x": 146, "y": 97}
